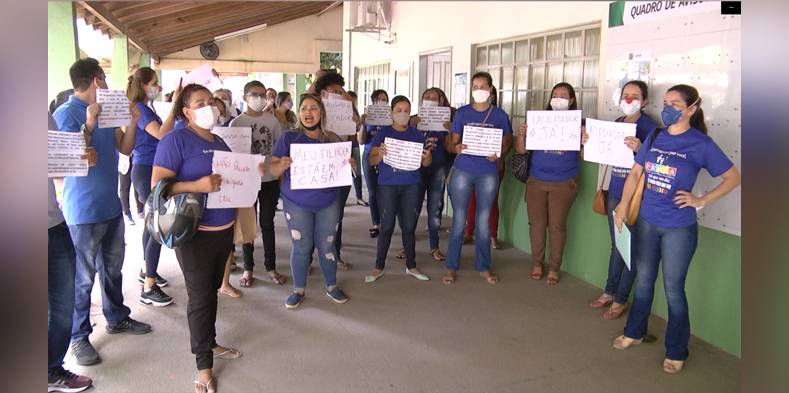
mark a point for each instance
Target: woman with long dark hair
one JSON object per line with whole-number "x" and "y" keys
{"x": 670, "y": 160}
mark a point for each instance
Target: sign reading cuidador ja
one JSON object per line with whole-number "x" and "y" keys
{"x": 320, "y": 165}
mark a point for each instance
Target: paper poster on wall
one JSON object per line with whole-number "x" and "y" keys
{"x": 320, "y": 165}
{"x": 115, "y": 108}
{"x": 459, "y": 86}
{"x": 403, "y": 155}
{"x": 606, "y": 144}
{"x": 66, "y": 154}
{"x": 339, "y": 115}
{"x": 240, "y": 180}
{"x": 553, "y": 130}
{"x": 238, "y": 139}
{"x": 482, "y": 141}
{"x": 378, "y": 115}
{"x": 432, "y": 118}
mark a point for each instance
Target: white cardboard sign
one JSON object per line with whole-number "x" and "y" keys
{"x": 553, "y": 130}
{"x": 114, "y": 108}
{"x": 432, "y": 118}
{"x": 339, "y": 115}
{"x": 238, "y": 139}
{"x": 378, "y": 115}
{"x": 240, "y": 180}
{"x": 606, "y": 144}
{"x": 403, "y": 155}
{"x": 65, "y": 152}
{"x": 482, "y": 141}
{"x": 320, "y": 165}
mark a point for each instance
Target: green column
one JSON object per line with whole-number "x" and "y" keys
{"x": 62, "y": 49}
{"x": 301, "y": 87}
{"x": 120, "y": 62}
{"x": 145, "y": 60}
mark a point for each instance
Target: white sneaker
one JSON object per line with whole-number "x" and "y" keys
{"x": 417, "y": 274}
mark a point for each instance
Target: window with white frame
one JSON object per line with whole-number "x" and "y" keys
{"x": 369, "y": 79}
{"x": 524, "y": 69}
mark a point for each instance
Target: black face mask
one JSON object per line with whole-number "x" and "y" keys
{"x": 313, "y": 128}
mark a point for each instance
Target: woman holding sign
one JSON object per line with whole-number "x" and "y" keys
{"x": 142, "y": 90}
{"x": 670, "y": 160}
{"x": 312, "y": 214}
{"x": 550, "y": 192}
{"x": 187, "y": 154}
{"x": 399, "y": 179}
{"x": 632, "y": 102}
{"x": 379, "y": 97}
{"x": 475, "y": 169}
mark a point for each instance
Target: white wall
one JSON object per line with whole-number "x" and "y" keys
{"x": 291, "y": 47}
{"x": 429, "y": 25}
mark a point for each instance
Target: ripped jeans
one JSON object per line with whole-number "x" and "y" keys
{"x": 311, "y": 229}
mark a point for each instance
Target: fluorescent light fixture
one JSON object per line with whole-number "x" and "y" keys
{"x": 241, "y": 32}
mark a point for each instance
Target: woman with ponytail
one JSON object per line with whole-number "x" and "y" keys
{"x": 312, "y": 215}
{"x": 142, "y": 90}
{"x": 666, "y": 229}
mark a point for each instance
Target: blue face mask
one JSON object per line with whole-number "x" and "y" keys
{"x": 670, "y": 115}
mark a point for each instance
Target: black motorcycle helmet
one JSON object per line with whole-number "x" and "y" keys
{"x": 172, "y": 220}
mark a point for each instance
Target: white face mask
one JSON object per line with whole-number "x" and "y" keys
{"x": 287, "y": 105}
{"x": 382, "y": 102}
{"x": 256, "y": 103}
{"x": 152, "y": 93}
{"x": 429, "y": 103}
{"x": 630, "y": 109}
{"x": 401, "y": 118}
{"x": 206, "y": 117}
{"x": 480, "y": 96}
{"x": 560, "y": 104}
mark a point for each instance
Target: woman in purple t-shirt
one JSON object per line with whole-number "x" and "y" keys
{"x": 187, "y": 154}
{"x": 312, "y": 214}
{"x": 666, "y": 228}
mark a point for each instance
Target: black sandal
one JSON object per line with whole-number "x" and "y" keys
{"x": 374, "y": 232}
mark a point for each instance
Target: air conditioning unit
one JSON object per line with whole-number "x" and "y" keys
{"x": 370, "y": 16}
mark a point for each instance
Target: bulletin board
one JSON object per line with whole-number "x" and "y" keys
{"x": 695, "y": 46}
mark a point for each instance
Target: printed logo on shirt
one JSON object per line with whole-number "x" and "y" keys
{"x": 262, "y": 140}
{"x": 557, "y": 152}
{"x": 660, "y": 175}
{"x": 659, "y": 169}
{"x": 620, "y": 172}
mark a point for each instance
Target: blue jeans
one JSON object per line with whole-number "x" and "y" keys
{"x": 141, "y": 178}
{"x": 312, "y": 229}
{"x": 62, "y": 266}
{"x": 100, "y": 249}
{"x": 460, "y": 185}
{"x": 676, "y": 247}
{"x": 371, "y": 177}
{"x": 401, "y": 203}
{"x": 620, "y": 278}
{"x": 433, "y": 183}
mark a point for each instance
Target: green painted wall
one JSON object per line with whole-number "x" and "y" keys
{"x": 145, "y": 60}
{"x": 301, "y": 87}
{"x": 120, "y": 62}
{"x": 712, "y": 286}
{"x": 62, "y": 49}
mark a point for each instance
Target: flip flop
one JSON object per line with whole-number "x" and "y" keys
{"x": 228, "y": 353}
{"x": 276, "y": 278}
{"x": 673, "y": 366}
{"x": 490, "y": 278}
{"x": 552, "y": 280}
{"x": 537, "y": 274}
{"x": 246, "y": 281}
{"x": 597, "y": 303}
{"x": 208, "y": 387}
{"x": 449, "y": 278}
{"x": 614, "y": 314}
{"x": 235, "y": 295}
{"x": 343, "y": 265}
{"x": 437, "y": 255}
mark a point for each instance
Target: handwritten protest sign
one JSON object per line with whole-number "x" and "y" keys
{"x": 482, "y": 141}
{"x": 203, "y": 75}
{"x": 240, "y": 180}
{"x": 162, "y": 108}
{"x": 65, "y": 152}
{"x": 339, "y": 115}
{"x": 320, "y": 165}
{"x": 378, "y": 115}
{"x": 553, "y": 130}
{"x": 239, "y": 139}
{"x": 114, "y": 108}
{"x": 606, "y": 143}
{"x": 432, "y": 118}
{"x": 403, "y": 155}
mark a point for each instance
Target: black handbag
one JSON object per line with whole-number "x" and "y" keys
{"x": 519, "y": 165}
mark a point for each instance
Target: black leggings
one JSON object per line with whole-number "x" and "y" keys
{"x": 202, "y": 261}
{"x": 125, "y": 183}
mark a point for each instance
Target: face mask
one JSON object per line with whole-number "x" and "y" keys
{"x": 401, "y": 118}
{"x": 228, "y": 104}
{"x": 256, "y": 103}
{"x": 206, "y": 117}
{"x": 382, "y": 102}
{"x": 670, "y": 115}
{"x": 287, "y": 105}
{"x": 480, "y": 96}
{"x": 630, "y": 109}
{"x": 152, "y": 93}
{"x": 429, "y": 103}
{"x": 560, "y": 104}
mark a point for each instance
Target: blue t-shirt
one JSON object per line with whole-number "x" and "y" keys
{"x": 369, "y": 134}
{"x": 467, "y": 115}
{"x": 671, "y": 164}
{"x": 644, "y": 126}
{"x": 94, "y": 198}
{"x": 181, "y": 123}
{"x": 315, "y": 199}
{"x": 190, "y": 157}
{"x": 389, "y": 176}
{"x": 145, "y": 143}
{"x": 435, "y": 141}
